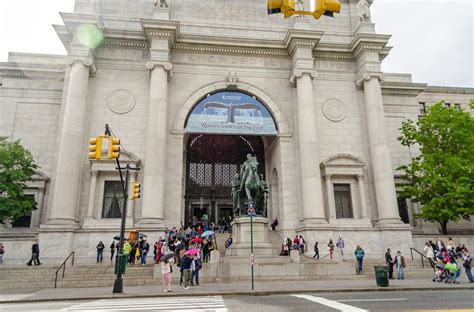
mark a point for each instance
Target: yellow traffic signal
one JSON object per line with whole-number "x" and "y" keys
{"x": 287, "y": 7}
{"x": 114, "y": 148}
{"x": 95, "y": 148}
{"x": 135, "y": 190}
{"x": 326, "y": 7}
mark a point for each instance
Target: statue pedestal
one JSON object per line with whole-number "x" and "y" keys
{"x": 241, "y": 237}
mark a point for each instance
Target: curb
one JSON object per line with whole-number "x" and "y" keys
{"x": 239, "y": 293}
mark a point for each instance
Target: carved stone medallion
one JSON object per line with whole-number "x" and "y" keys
{"x": 121, "y": 101}
{"x": 334, "y": 110}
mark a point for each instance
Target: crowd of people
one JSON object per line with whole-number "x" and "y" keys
{"x": 448, "y": 260}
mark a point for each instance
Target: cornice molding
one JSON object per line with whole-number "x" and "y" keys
{"x": 402, "y": 88}
{"x": 125, "y": 43}
{"x": 301, "y": 38}
{"x": 31, "y": 71}
{"x": 156, "y": 29}
{"x": 369, "y": 42}
{"x": 210, "y": 49}
{"x": 333, "y": 56}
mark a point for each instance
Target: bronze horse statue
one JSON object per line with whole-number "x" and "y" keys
{"x": 248, "y": 185}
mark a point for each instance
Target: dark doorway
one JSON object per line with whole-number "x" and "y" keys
{"x": 211, "y": 163}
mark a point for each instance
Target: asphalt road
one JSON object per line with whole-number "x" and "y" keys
{"x": 453, "y": 300}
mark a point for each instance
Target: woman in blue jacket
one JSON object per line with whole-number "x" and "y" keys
{"x": 359, "y": 254}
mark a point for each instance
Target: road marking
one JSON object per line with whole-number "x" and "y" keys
{"x": 362, "y": 300}
{"x": 214, "y": 303}
{"x": 332, "y": 304}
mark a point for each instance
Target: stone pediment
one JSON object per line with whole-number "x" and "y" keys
{"x": 342, "y": 164}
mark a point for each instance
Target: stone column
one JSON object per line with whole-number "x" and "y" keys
{"x": 72, "y": 148}
{"x": 330, "y": 193}
{"x": 92, "y": 189}
{"x": 155, "y": 147}
{"x": 363, "y": 204}
{"x": 381, "y": 160}
{"x": 311, "y": 190}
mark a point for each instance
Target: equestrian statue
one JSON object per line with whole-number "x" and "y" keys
{"x": 248, "y": 187}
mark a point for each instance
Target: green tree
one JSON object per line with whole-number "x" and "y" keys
{"x": 441, "y": 178}
{"x": 16, "y": 167}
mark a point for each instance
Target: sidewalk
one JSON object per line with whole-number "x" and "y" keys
{"x": 235, "y": 288}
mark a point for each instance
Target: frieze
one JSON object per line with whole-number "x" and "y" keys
{"x": 334, "y": 65}
{"x": 334, "y": 110}
{"x": 231, "y": 50}
{"x": 131, "y": 44}
{"x": 35, "y": 75}
{"x": 127, "y": 54}
{"x": 121, "y": 101}
{"x": 229, "y": 60}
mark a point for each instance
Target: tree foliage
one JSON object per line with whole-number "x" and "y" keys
{"x": 441, "y": 178}
{"x": 16, "y": 167}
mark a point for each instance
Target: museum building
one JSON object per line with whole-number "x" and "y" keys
{"x": 191, "y": 87}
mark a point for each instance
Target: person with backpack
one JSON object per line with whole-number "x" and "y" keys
{"x": 196, "y": 266}
{"x": 467, "y": 262}
{"x": 186, "y": 269}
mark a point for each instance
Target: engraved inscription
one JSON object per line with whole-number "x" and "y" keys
{"x": 229, "y": 59}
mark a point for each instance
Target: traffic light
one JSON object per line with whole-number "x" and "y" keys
{"x": 114, "y": 148}
{"x": 287, "y": 7}
{"x": 135, "y": 190}
{"x": 326, "y": 7}
{"x": 95, "y": 148}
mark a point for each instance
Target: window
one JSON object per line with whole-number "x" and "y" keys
{"x": 343, "y": 201}
{"x": 112, "y": 206}
{"x": 24, "y": 220}
{"x": 447, "y": 105}
{"x": 403, "y": 209}
{"x": 457, "y": 106}
{"x": 421, "y": 108}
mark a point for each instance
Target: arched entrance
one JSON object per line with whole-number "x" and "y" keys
{"x": 222, "y": 129}
{"x": 211, "y": 163}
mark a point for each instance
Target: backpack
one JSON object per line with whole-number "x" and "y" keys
{"x": 198, "y": 264}
{"x": 2, "y": 250}
{"x": 467, "y": 263}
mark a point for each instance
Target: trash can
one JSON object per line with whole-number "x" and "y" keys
{"x": 381, "y": 276}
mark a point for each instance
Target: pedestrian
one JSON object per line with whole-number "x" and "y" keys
{"x": 467, "y": 262}
{"x": 296, "y": 243}
{"x": 229, "y": 241}
{"x": 144, "y": 251}
{"x": 112, "y": 250}
{"x": 340, "y": 246}
{"x": 331, "y": 249}
{"x": 34, "y": 254}
{"x": 195, "y": 268}
{"x": 429, "y": 253}
{"x": 274, "y": 224}
{"x": 289, "y": 244}
{"x": 166, "y": 270}
{"x": 127, "y": 248}
{"x": 186, "y": 268}
{"x": 389, "y": 263}
{"x": 2, "y": 252}
{"x": 316, "y": 251}
{"x": 206, "y": 251}
{"x": 359, "y": 254}
{"x": 400, "y": 263}
{"x": 100, "y": 250}
{"x": 302, "y": 244}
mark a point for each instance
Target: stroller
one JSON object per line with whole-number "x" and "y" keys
{"x": 440, "y": 273}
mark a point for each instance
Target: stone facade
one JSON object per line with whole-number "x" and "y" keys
{"x": 336, "y": 112}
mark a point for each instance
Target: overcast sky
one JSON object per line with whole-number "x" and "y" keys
{"x": 431, "y": 39}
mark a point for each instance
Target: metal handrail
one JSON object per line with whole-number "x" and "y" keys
{"x": 421, "y": 256}
{"x": 63, "y": 266}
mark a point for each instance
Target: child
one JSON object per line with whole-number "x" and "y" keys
{"x": 331, "y": 249}
{"x": 166, "y": 270}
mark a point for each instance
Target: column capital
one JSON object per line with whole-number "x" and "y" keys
{"x": 327, "y": 176}
{"x": 368, "y": 76}
{"x": 167, "y": 66}
{"x": 88, "y": 61}
{"x": 299, "y": 72}
{"x": 94, "y": 173}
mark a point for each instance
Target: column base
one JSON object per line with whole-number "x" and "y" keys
{"x": 391, "y": 223}
{"x": 314, "y": 224}
{"x": 61, "y": 223}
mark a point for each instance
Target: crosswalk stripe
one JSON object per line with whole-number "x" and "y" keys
{"x": 215, "y": 303}
{"x": 330, "y": 303}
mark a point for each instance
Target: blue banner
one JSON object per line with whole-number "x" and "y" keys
{"x": 231, "y": 113}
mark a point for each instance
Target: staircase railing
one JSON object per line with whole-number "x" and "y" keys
{"x": 63, "y": 266}
{"x": 421, "y": 257}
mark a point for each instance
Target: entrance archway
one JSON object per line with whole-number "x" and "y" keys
{"x": 211, "y": 163}
{"x": 223, "y": 127}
